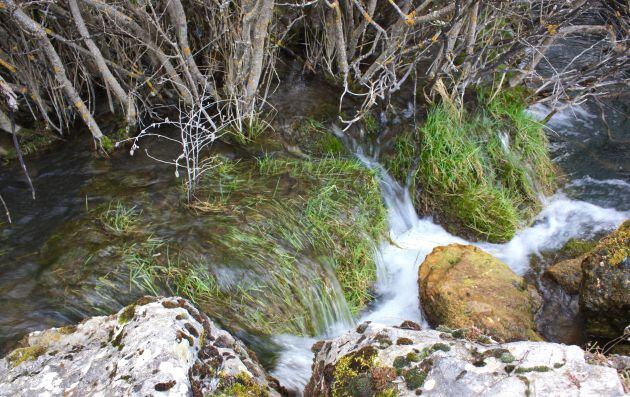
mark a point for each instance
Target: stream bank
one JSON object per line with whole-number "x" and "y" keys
{"x": 285, "y": 206}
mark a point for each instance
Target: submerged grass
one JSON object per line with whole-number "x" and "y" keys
{"x": 119, "y": 218}
{"x": 483, "y": 170}
{"x": 282, "y": 218}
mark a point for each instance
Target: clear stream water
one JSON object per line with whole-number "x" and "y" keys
{"x": 592, "y": 202}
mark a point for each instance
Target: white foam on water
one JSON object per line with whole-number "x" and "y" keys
{"x": 587, "y": 180}
{"x": 412, "y": 238}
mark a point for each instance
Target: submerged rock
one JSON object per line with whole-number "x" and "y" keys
{"x": 462, "y": 286}
{"x": 155, "y": 347}
{"x": 372, "y": 361}
{"x": 605, "y": 287}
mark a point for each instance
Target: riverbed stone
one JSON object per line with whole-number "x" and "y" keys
{"x": 605, "y": 287}
{"x": 439, "y": 363}
{"x": 567, "y": 274}
{"x": 461, "y": 286}
{"x": 156, "y": 347}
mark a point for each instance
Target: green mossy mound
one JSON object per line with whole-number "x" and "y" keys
{"x": 480, "y": 171}
{"x": 462, "y": 286}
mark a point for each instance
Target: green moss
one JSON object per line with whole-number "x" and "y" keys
{"x": 412, "y": 357}
{"x": 31, "y": 142}
{"x": 482, "y": 170}
{"x": 127, "y": 314}
{"x": 400, "y": 362}
{"x": 370, "y": 123}
{"x": 538, "y": 368}
{"x": 617, "y": 244}
{"x": 107, "y": 143}
{"x": 576, "y": 247}
{"x": 414, "y": 378}
{"x": 317, "y": 139}
{"x": 351, "y": 374}
{"x": 440, "y": 347}
{"x": 242, "y": 385}
{"x": 506, "y": 358}
{"x": 18, "y": 356}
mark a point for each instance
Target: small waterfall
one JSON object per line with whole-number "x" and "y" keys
{"x": 413, "y": 237}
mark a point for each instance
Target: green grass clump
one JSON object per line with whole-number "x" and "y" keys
{"x": 285, "y": 226}
{"x": 119, "y": 218}
{"x": 485, "y": 169}
{"x": 317, "y": 139}
{"x": 402, "y": 164}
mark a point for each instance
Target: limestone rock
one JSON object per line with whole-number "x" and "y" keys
{"x": 462, "y": 286}
{"x": 158, "y": 347}
{"x": 605, "y": 288}
{"x": 371, "y": 361}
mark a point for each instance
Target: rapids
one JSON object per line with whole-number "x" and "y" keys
{"x": 583, "y": 208}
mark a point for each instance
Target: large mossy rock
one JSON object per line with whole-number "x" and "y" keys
{"x": 462, "y": 286}
{"x": 376, "y": 360}
{"x": 156, "y": 347}
{"x": 605, "y": 287}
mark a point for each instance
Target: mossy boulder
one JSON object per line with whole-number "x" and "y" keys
{"x": 605, "y": 287}
{"x": 462, "y": 286}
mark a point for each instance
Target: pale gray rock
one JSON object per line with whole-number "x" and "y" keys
{"x": 157, "y": 347}
{"x": 380, "y": 360}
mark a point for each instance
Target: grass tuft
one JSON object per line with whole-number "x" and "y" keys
{"x": 119, "y": 218}
{"x": 286, "y": 225}
{"x": 484, "y": 169}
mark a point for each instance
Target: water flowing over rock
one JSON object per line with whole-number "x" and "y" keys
{"x": 159, "y": 347}
{"x": 462, "y": 286}
{"x": 379, "y": 360}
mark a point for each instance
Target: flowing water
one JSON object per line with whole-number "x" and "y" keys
{"x": 594, "y": 200}
{"x": 591, "y": 203}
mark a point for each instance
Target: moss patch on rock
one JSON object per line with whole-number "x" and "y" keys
{"x": 462, "y": 287}
{"x": 241, "y": 385}
{"x": 605, "y": 287}
{"x": 18, "y": 356}
{"x": 359, "y": 374}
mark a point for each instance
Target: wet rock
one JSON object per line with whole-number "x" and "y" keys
{"x": 462, "y": 286}
{"x": 567, "y": 274}
{"x": 605, "y": 287}
{"x": 357, "y": 365}
{"x": 156, "y": 347}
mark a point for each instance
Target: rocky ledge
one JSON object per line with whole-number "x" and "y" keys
{"x": 156, "y": 347}
{"x": 376, "y": 360}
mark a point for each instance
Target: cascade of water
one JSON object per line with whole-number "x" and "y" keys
{"x": 412, "y": 238}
